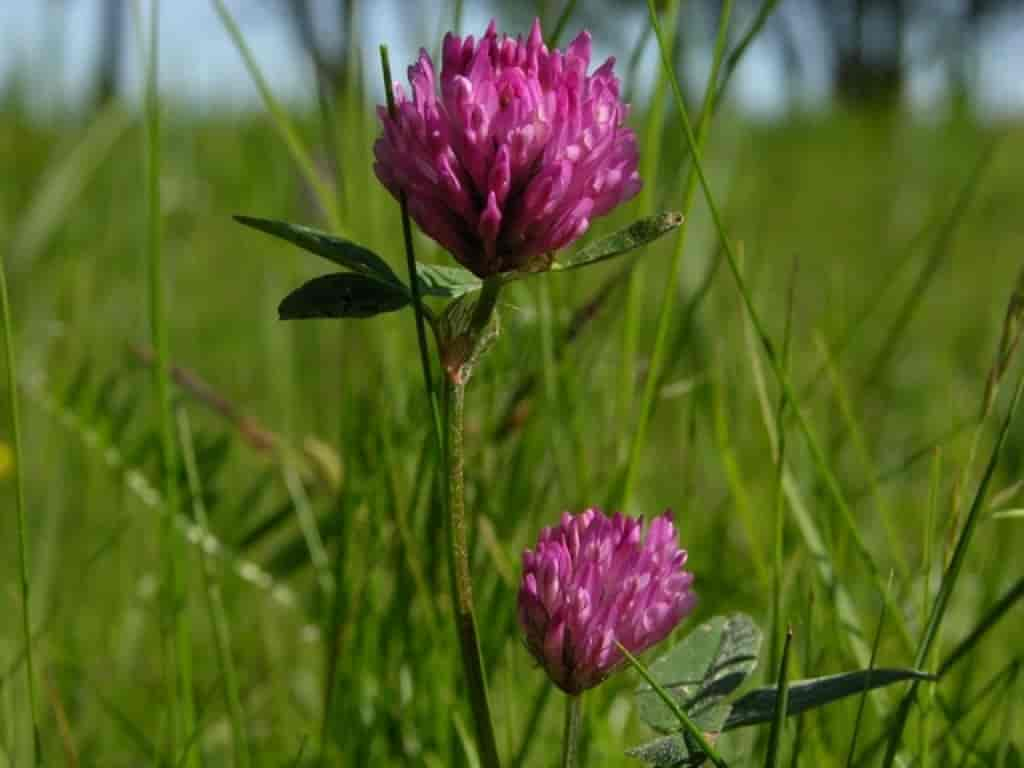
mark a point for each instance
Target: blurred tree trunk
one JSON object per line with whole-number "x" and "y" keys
{"x": 330, "y": 59}
{"x": 869, "y": 53}
{"x": 108, "y": 70}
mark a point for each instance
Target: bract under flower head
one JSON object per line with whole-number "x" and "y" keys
{"x": 594, "y": 581}
{"x": 515, "y": 155}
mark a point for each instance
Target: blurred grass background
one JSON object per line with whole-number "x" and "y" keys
{"x": 895, "y": 243}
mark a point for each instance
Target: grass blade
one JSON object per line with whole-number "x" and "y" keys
{"x": 951, "y": 576}
{"x": 669, "y": 295}
{"x": 650, "y": 172}
{"x": 215, "y": 603}
{"x": 778, "y": 505}
{"x": 279, "y": 118}
{"x": 867, "y": 686}
{"x": 781, "y": 705}
{"x": 19, "y": 509}
{"x": 817, "y": 455}
{"x": 532, "y": 723}
{"x": 563, "y": 20}
{"x": 178, "y": 663}
{"x": 995, "y": 613}
{"x": 64, "y": 185}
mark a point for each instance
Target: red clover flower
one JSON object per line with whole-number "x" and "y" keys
{"x": 515, "y": 156}
{"x": 594, "y": 581}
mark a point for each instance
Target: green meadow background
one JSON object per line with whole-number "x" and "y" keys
{"x": 881, "y": 251}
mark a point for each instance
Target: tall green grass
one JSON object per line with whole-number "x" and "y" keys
{"x": 730, "y": 379}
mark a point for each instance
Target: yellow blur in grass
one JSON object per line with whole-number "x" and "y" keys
{"x": 6, "y": 460}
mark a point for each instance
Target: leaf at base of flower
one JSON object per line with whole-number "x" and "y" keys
{"x": 700, "y": 671}
{"x": 338, "y": 250}
{"x": 758, "y": 706}
{"x": 467, "y": 329}
{"x": 675, "y": 751}
{"x": 636, "y": 235}
{"x": 445, "y": 282}
{"x": 343, "y": 294}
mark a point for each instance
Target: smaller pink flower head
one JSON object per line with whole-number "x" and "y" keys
{"x": 513, "y": 153}
{"x": 594, "y": 581}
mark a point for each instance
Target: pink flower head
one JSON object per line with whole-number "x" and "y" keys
{"x": 515, "y": 155}
{"x": 594, "y": 581}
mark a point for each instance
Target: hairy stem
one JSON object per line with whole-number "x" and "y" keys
{"x": 461, "y": 578}
{"x": 571, "y": 734}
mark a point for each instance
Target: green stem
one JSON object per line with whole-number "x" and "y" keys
{"x": 450, "y": 440}
{"x": 410, "y": 262}
{"x": 19, "y": 505}
{"x": 178, "y": 652}
{"x": 573, "y": 727}
{"x": 461, "y": 579}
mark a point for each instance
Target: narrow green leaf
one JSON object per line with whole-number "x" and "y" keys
{"x": 699, "y": 672}
{"x": 636, "y": 235}
{"x": 342, "y": 252}
{"x": 445, "y": 282}
{"x": 758, "y": 706}
{"x": 343, "y": 294}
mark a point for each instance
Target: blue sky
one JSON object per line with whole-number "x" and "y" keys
{"x": 199, "y": 64}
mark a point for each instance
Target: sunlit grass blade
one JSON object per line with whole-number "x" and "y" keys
{"x": 651, "y": 166}
{"x": 215, "y": 603}
{"x": 778, "y": 505}
{"x": 669, "y": 295}
{"x": 737, "y": 480}
{"x": 306, "y": 517}
{"x": 300, "y": 753}
{"x": 333, "y": 629}
{"x": 136, "y": 735}
{"x": 817, "y": 455}
{"x": 927, "y": 569}
{"x": 325, "y": 197}
{"x": 951, "y": 576}
{"x": 900, "y": 468}
{"x": 466, "y": 742}
{"x": 867, "y": 686}
{"x": 853, "y": 427}
{"x": 938, "y": 255}
{"x": 134, "y": 481}
{"x": 809, "y": 527}
{"x": 19, "y": 511}
{"x": 178, "y": 662}
{"x": 65, "y": 184}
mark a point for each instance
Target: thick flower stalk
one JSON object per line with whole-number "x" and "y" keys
{"x": 515, "y": 154}
{"x": 595, "y": 581}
